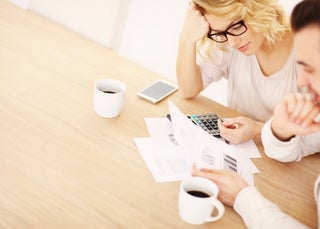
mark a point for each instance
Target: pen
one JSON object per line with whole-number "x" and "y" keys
{"x": 232, "y": 126}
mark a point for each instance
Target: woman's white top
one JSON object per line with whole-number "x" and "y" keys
{"x": 249, "y": 91}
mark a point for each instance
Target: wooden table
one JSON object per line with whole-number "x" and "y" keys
{"x": 63, "y": 166}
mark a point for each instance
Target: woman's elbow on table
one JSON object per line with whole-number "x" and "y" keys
{"x": 188, "y": 94}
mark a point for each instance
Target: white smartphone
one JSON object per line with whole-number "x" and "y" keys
{"x": 157, "y": 91}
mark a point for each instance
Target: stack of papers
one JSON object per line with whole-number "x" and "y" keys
{"x": 174, "y": 147}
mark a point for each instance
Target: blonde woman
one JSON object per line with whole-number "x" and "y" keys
{"x": 249, "y": 43}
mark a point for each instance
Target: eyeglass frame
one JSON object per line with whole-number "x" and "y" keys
{"x": 225, "y": 33}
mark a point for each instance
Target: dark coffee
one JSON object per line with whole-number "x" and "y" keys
{"x": 110, "y": 92}
{"x": 198, "y": 194}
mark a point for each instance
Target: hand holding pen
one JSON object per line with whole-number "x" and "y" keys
{"x": 239, "y": 129}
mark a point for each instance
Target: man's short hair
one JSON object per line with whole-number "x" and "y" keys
{"x": 304, "y": 14}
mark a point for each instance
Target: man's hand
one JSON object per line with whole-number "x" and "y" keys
{"x": 295, "y": 115}
{"x": 229, "y": 183}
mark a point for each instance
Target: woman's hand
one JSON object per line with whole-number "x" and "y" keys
{"x": 239, "y": 129}
{"x": 195, "y": 25}
{"x": 229, "y": 183}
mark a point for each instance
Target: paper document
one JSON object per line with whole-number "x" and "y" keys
{"x": 205, "y": 150}
{"x": 174, "y": 147}
{"x": 165, "y": 160}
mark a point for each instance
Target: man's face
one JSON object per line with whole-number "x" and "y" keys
{"x": 307, "y": 49}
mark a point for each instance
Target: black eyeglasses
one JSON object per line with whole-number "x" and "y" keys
{"x": 235, "y": 29}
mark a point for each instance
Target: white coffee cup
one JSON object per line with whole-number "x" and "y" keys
{"x": 108, "y": 97}
{"x": 194, "y": 208}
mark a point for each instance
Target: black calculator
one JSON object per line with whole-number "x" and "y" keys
{"x": 207, "y": 121}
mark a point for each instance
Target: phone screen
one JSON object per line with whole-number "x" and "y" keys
{"x": 157, "y": 91}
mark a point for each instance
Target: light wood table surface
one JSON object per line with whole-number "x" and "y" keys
{"x": 63, "y": 166}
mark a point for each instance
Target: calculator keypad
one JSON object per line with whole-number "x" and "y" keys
{"x": 208, "y": 122}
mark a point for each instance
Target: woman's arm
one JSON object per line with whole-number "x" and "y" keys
{"x": 188, "y": 72}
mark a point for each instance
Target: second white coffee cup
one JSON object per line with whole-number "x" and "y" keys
{"x": 198, "y": 199}
{"x": 108, "y": 97}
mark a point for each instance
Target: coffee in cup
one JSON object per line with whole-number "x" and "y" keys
{"x": 198, "y": 199}
{"x": 108, "y": 97}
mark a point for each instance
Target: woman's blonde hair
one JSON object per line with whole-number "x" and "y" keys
{"x": 265, "y": 16}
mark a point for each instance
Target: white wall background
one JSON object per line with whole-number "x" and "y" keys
{"x": 99, "y": 20}
{"x": 151, "y": 33}
{"x": 145, "y": 31}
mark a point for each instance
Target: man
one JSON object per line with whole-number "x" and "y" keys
{"x": 292, "y": 133}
